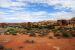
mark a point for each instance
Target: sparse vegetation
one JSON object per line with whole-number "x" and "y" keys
{"x": 41, "y": 30}
{"x": 61, "y": 28}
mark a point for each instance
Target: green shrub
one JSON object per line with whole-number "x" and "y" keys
{"x": 66, "y": 34}
{"x": 11, "y": 30}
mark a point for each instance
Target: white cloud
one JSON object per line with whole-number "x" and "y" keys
{"x": 36, "y": 16}
{"x": 27, "y": 15}
{"x": 57, "y": 3}
{"x": 62, "y": 15}
{"x": 24, "y": 16}
{"x": 4, "y": 3}
{"x": 9, "y": 3}
{"x": 2, "y": 13}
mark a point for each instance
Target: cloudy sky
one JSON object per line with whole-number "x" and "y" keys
{"x": 36, "y": 10}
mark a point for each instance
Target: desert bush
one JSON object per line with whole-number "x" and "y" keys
{"x": 57, "y": 34}
{"x": 50, "y": 37}
{"x": 11, "y": 30}
{"x": 8, "y": 49}
{"x": 20, "y": 47}
{"x": 22, "y": 31}
{"x": 65, "y": 34}
{"x": 72, "y": 33}
{"x": 7, "y": 33}
{"x": 2, "y": 47}
{"x": 30, "y": 41}
{"x": 32, "y": 34}
{"x": 42, "y": 35}
{"x": 43, "y": 32}
{"x": 50, "y": 27}
{"x": 0, "y": 33}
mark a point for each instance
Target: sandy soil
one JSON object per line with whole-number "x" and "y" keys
{"x": 17, "y": 42}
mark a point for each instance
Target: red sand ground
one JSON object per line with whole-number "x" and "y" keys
{"x": 41, "y": 43}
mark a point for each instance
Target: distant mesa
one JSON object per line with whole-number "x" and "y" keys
{"x": 47, "y": 22}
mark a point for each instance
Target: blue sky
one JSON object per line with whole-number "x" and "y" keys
{"x": 36, "y": 10}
